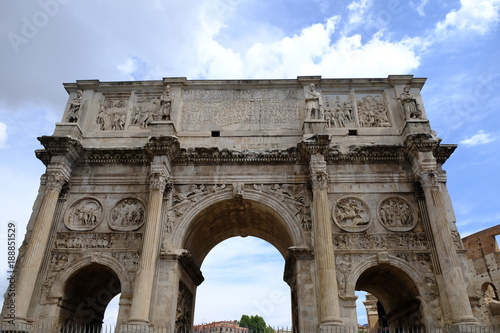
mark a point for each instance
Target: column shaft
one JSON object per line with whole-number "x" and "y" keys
{"x": 455, "y": 285}
{"x": 143, "y": 290}
{"x": 36, "y": 247}
{"x": 325, "y": 258}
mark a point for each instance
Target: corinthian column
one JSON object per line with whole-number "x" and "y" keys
{"x": 35, "y": 249}
{"x": 143, "y": 289}
{"x": 329, "y": 312}
{"x": 448, "y": 266}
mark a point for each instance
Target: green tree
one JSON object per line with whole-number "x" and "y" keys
{"x": 255, "y": 324}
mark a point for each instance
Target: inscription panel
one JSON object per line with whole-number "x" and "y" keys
{"x": 240, "y": 109}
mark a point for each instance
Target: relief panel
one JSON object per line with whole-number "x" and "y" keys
{"x": 85, "y": 214}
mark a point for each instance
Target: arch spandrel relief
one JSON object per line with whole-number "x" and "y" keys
{"x": 351, "y": 214}
{"x": 84, "y": 214}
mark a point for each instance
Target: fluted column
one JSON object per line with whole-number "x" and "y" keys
{"x": 449, "y": 265}
{"x": 329, "y": 312}
{"x": 143, "y": 289}
{"x": 36, "y": 247}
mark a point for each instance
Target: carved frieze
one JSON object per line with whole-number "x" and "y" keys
{"x": 129, "y": 259}
{"x": 235, "y": 107}
{"x": 338, "y": 112}
{"x": 112, "y": 115}
{"x": 372, "y": 111}
{"x": 396, "y": 214}
{"x": 127, "y": 215}
{"x": 84, "y": 214}
{"x": 394, "y": 241}
{"x": 351, "y": 214}
{"x": 145, "y": 111}
{"x": 74, "y": 240}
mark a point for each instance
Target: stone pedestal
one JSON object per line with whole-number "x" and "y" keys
{"x": 163, "y": 128}
{"x": 72, "y": 130}
{"x": 313, "y": 126}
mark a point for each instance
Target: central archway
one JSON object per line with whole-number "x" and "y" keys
{"x": 254, "y": 214}
{"x": 230, "y": 218}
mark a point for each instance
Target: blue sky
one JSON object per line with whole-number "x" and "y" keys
{"x": 455, "y": 44}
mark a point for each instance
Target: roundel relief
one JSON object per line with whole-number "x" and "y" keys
{"x": 396, "y": 214}
{"x": 351, "y": 214}
{"x": 84, "y": 214}
{"x": 127, "y": 215}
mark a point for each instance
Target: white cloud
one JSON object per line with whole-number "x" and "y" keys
{"x": 3, "y": 135}
{"x": 480, "y": 138}
{"x": 420, "y": 6}
{"x": 477, "y": 16}
{"x": 313, "y": 52}
{"x": 357, "y": 10}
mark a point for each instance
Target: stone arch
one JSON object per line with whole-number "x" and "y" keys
{"x": 85, "y": 288}
{"x": 397, "y": 285}
{"x": 253, "y": 205}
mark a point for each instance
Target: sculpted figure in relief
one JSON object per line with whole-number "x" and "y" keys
{"x": 75, "y": 107}
{"x": 314, "y": 103}
{"x": 409, "y": 104}
{"x": 343, "y": 265}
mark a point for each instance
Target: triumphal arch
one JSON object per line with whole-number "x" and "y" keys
{"x": 343, "y": 176}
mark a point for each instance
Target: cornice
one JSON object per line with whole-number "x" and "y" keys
{"x": 367, "y": 154}
{"x": 163, "y": 145}
{"x": 443, "y": 152}
{"x": 107, "y": 156}
{"x": 59, "y": 146}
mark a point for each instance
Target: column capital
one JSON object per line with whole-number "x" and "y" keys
{"x": 319, "y": 176}
{"x": 158, "y": 181}
{"x": 55, "y": 180}
{"x": 428, "y": 178}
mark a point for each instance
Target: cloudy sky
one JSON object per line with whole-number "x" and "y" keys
{"x": 455, "y": 44}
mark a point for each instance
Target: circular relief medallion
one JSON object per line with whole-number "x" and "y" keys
{"x": 84, "y": 214}
{"x": 351, "y": 214}
{"x": 396, "y": 214}
{"x": 127, "y": 215}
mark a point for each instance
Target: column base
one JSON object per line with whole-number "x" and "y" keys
{"x": 136, "y": 327}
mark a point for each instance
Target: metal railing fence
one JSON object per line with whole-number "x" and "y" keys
{"x": 20, "y": 328}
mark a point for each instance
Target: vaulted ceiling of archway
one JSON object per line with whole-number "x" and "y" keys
{"x": 391, "y": 286}
{"x": 231, "y": 218}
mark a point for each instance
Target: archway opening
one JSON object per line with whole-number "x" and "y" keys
{"x": 86, "y": 295}
{"x": 243, "y": 276}
{"x": 239, "y": 217}
{"x": 392, "y": 300}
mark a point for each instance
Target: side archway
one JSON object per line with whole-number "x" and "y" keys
{"x": 398, "y": 287}
{"x": 85, "y": 288}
